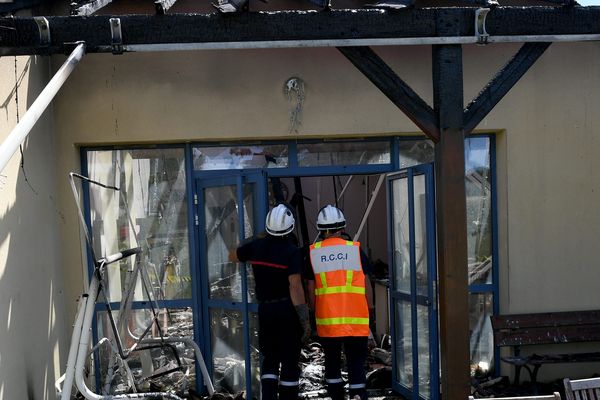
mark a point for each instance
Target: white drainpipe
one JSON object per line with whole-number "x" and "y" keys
{"x": 20, "y": 132}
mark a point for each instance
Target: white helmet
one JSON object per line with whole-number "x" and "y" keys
{"x": 280, "y": 221}
{"x": 330, "y": 217}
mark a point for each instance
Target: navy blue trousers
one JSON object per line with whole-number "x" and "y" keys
{"x": 355, "y": 350}
{"x": 279, "y": 342}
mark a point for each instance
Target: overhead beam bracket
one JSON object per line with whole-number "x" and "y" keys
{"x": 480, "y": 32}
{"x": 116, "y": 36}
{"x": 43, "y": 29}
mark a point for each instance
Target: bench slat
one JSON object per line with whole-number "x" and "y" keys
{"x": 547, "y": 335}
{"x": 517, "y": 321}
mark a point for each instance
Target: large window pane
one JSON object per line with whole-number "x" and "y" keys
{"x": 478, "y": 188}
{"x": 153, "y": 191}
{"x": 343, "y": 153}
{"x": 240, "y": 157}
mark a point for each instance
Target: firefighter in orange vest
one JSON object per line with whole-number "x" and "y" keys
{"x": 283, "y": 315}
{"x": 341, "y": 295}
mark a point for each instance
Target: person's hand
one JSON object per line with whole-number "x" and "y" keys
{"x": 304, "y": 317}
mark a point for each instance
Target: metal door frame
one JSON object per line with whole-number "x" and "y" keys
{"x": 431, "y": 300}
{"x": 238, "y": 179}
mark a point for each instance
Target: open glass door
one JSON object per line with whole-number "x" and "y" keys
{"x": 229, "y": 210}
{"x": 413, "y": 308}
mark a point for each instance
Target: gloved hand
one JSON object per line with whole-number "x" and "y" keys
{"x": 304, "y": 317}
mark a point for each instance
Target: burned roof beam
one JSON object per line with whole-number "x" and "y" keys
{"x": 386, "y": 80}
{"x": 501, "y": 84}
{"x": 162, "y": 6}
{"x": 88, "y": 8}
{"x": 334, "y": 28}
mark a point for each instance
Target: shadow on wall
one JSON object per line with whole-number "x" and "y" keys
{"x": 31, "y": 302}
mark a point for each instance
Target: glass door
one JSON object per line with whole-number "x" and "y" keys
{"x": 229, "y": 210}
{"x": 413, "y": 308}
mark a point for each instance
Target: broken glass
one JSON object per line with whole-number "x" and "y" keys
{"x": 227, "y": 339}
{"x": 166, "y": 368}
{"x": 222, "y": 234}
{"x": 415, "y": 152}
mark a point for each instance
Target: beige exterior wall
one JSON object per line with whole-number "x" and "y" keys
{"x": 32, "y": 311}
{"x": 548, "y": 141}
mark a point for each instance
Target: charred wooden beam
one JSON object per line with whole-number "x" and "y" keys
{"x": 88, "y": 8}
{"x": 386, "y": 80}
{"x": 451, "y": 217}
{"x": 162, "y": 6}
{"x": 501, "y": 84}
{"x": 282, "y": 27}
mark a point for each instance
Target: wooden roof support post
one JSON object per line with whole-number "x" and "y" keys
{"x": 451, "y": 217}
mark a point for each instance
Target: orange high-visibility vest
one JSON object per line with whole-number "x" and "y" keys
{"x": 340, "y": 304}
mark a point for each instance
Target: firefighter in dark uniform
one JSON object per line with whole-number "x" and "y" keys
{"x": 283, "y": 314}
{"x": 341, "y": 295}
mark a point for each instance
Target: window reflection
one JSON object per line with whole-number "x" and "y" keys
{"x": 340, "y": 153}
{"x": 482, "y": 339}
{"x": 478, "y": 187}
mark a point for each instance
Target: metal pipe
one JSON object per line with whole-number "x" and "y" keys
{"x": 368, "y": 210}
{"x": 20, "y": 132}
{"x": 279, "y": 44}
{"x": 82, "y": 353}
{"x": 65, "y": 394}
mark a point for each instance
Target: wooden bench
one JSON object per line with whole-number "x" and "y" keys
{"x": 545, "y": 328}
{"x": 582, "y": 389}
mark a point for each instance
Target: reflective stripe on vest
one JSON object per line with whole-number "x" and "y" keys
{"x": 341, "y": 306}
{"x": 339, "y": 289}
